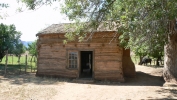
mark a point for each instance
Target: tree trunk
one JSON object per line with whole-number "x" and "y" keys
{"x": 5, "y": 69}
{"x": 2, "y": 54}
{"x": 31, "y": 59}
{"x": 141, "y": 57}
{"x": 170, "y": 60}
{"x": 12, "y": 59}
{"x": 157, "y": 62}
{"x": 19, "y": 58}
{"x": 26, "y": 63}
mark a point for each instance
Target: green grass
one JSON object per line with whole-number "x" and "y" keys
{"x": 14, "y": 66}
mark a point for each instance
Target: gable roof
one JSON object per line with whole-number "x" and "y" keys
{"x": 63, "y": 28}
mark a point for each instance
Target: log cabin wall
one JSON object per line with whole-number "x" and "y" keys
{"x": 107, "y": 56}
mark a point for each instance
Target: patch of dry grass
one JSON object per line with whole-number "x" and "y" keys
{"x": 22, "y": 92}
{"x": 23, "y": 87}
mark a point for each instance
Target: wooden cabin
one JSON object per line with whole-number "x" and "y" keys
{"x": 99, "y": 57}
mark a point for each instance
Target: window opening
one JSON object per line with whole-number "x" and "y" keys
{"x": 73, "y": 59}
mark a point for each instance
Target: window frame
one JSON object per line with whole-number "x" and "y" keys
{"x": 72, "y": 59}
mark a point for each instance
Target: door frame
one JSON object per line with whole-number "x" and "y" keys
{"x": 93, "y": 61}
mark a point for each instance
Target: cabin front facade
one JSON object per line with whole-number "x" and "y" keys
{"x": 99, "y": 58}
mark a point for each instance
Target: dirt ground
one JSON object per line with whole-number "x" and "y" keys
{"x": 148, "y": 84}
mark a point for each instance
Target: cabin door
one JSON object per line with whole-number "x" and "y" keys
{"x": 86, "y": 64}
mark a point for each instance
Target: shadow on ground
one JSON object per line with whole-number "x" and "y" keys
{"x": 141, "y": 79}
{"x": 171, "y": 90}
{"x": 144, "y": 79}
{"x": 17, "y": 76}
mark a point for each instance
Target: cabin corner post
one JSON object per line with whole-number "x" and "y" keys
{"x": 127, "y": 64}
{"x": 37, "y": 49}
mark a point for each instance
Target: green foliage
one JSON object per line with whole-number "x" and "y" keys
{"x": 33, "y": 4}
{"x": 32, "y": 48}
{"x": 76, "y": 34}
{"x": 9, "y": 39}
{"x": 143, "y": 24}
{"x": 19, "y": 49}
{"x": 134, "y": 16}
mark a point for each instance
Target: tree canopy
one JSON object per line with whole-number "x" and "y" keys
{"x": 145, "y": 23}
{"x": 142, "y": 22}
{"x": 32, "y": 48}
{"x": 33, "y": 4}
{"x": 19, "y": 49}
{"x": 9, "y": 39}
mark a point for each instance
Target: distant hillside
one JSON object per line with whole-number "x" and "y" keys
{"x": 26, "y": 43}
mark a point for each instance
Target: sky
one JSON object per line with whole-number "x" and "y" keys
{"x": 30, "y": 22}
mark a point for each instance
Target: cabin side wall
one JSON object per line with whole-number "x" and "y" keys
{"x": 107, "y": 64}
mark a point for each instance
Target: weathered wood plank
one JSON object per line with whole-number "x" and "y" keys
{"x": 108, "y": 66}
{"x": 107, "y": 50}
{"x": 52, "y": 65}
{"x": 105, "y": 34}
{"x": 52, "y": 55}
{"x": 101, "y": 40}
{"x": 102, "y": 45}
{"x": 57, "y": 59}
{"x": 60, "y": 70}
{"x": 109, "y": 75}
{"x": 93, "y": 40}
{"x": 50, "y": 50}
{"x": 109, "y": 54}
{"x": 52, "y": 60}
{"x": 59, "y": 73}
{"x": 108, "y": 58}
{"x": 52, "y": 68}
{"x": 81, "y": 45}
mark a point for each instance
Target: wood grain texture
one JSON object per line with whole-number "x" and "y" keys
{"x": 107, "y": 56}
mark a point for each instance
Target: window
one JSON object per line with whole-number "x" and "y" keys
{"x": 72, "y": 59}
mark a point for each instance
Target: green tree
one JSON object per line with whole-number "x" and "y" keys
{"x": 19, "y": 49}
{"x": 154, "y": 50}
{"x": 9, "y": 37}
{"x": 32, "y": 49}
{"x": 33, "y": 4}
{"x": 140, "y": 22}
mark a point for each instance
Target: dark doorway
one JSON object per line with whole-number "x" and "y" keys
{"x": 86, "y": 59}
